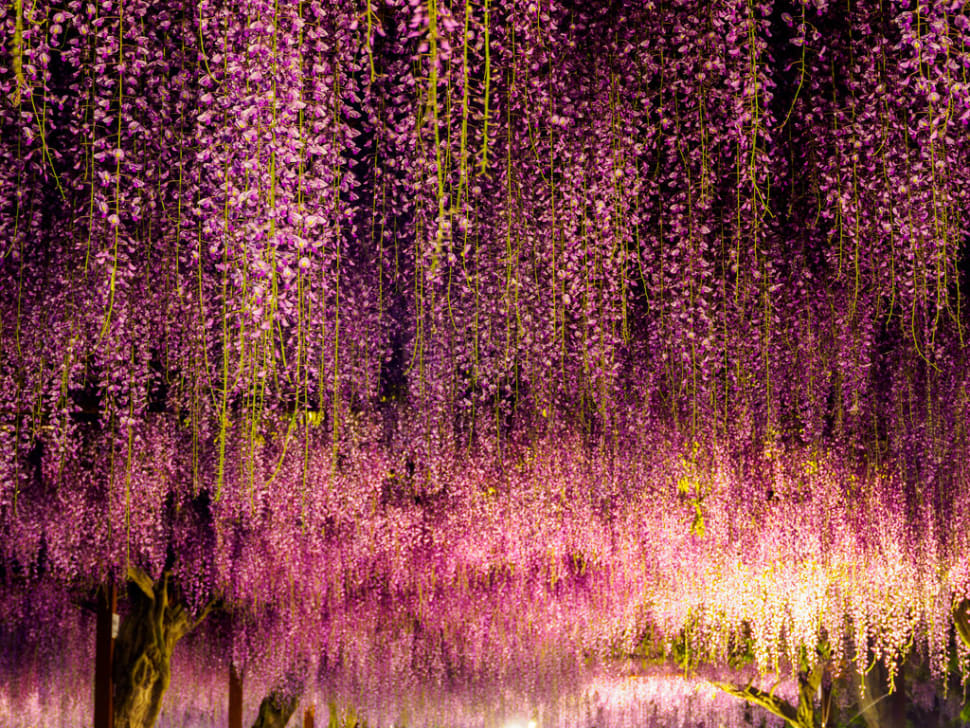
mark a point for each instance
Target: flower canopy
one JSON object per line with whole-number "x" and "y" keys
{"x": 442, "y": 338}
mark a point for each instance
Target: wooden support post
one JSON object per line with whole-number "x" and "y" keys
{"x": 308, "y": 717}
{"x": 235, "y": 698}
{"x": 106, "y": 629}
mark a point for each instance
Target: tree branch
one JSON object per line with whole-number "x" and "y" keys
{"x": 776, "y": 706}
{"x": 961, "y": 620}
{"x": 142, "y": 580}
{"x": 212, "y": 604}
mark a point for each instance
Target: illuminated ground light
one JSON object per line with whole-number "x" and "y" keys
{"x": 520, "y": 724}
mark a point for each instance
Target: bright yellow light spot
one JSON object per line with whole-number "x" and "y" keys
{"x": 520, "y": 724}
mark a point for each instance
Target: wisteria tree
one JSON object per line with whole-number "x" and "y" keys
{"x": 430, "y": 341}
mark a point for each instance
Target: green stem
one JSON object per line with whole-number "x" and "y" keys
{"x": 17, "y": 50}
{"x": 488, "y": 77}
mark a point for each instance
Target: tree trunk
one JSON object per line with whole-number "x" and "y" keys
{"x": 156, "y": 621}
{"x": 276, "y": 710}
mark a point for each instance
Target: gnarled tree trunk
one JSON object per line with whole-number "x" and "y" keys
{"x": 276, "y": 710}
{"x": 278, "y": 706}
{"x": 157, "y": 620}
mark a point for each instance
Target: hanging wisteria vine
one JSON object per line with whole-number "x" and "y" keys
{"x": 301, "y": 300}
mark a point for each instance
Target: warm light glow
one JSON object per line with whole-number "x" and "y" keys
{"x": 520, "y": 724}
